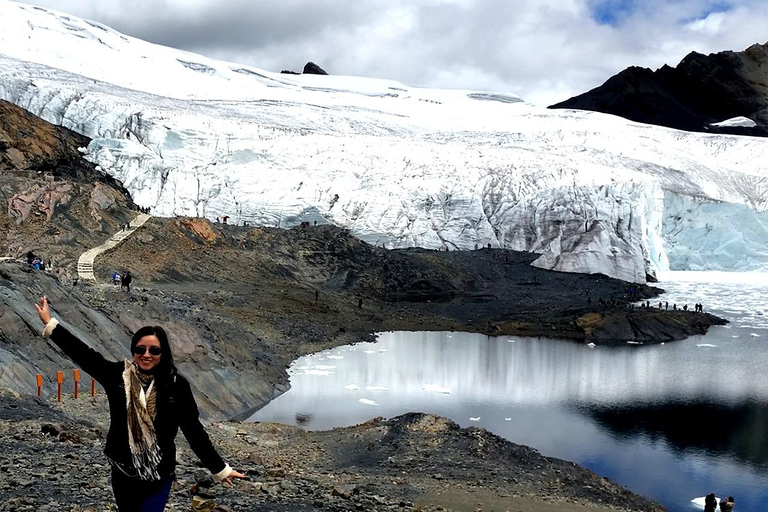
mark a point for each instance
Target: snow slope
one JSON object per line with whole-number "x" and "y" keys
{"x": 397, "y": 165}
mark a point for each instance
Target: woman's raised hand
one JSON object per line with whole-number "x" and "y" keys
{"x": 43, "y": 311}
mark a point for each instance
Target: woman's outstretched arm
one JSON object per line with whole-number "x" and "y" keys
{"x": 88, "y": 359}
{"x": 195, "y": 433}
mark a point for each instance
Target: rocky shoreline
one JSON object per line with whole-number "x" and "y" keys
{"x": 51, "y": 460}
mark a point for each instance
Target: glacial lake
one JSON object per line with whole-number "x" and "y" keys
{"x": 672, "y": 422}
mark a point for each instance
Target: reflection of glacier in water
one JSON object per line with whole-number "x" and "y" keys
{"x": 627, "y": 413}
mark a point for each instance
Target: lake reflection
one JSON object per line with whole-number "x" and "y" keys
{"x": 672, "y": 421}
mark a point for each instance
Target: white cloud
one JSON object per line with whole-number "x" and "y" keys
{"x": 543, "y": 50}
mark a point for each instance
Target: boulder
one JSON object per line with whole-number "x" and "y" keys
{"x": 310, "y": 68}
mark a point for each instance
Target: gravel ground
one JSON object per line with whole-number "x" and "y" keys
{"x": 51, "y": 460}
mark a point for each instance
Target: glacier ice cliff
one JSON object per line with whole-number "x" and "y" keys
{"x": 397, "y": 165}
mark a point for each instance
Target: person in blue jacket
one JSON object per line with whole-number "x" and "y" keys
{"x": 149, "y": 401}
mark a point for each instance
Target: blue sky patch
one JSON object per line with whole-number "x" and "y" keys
{"x": 713, "y": 7}
{"x": 611, "y": 12}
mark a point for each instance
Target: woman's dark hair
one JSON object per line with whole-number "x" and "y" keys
{"x": 165, "y": 368}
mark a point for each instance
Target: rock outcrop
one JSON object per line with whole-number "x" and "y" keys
{"x": 55, "y": 202}
{"x": 310, "y": 68}
{"x": 701, "y": 91}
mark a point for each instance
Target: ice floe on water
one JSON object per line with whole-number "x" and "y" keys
{"x": 437, "y": 389}
{"x": 475, "y": 419}
{"x": 325, "y": 366}
{"x": 315, "y": 371}
{"x": 700, "y": 502}
{"x": 370, "y": 351}
{"x": 754, "y": 335}
{"x": 335, "y": 357}
{"x": 376, "y": 388}
{"x": 367, "y": 401}
{"x": 353, "y": 387}
{"x": 507, "y": 419}
{"x": 706, "y": 345}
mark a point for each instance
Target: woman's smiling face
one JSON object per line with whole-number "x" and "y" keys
{"x": 143, "y": 352}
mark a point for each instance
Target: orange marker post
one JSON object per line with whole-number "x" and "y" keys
{"x": 39, "y": 384}
{"x": 93, "y": 386}
{"x": 59, "y": 380}
{"x": 77, "y": 381}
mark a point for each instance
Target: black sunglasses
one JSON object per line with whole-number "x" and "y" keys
{"x": 139, "y": 350}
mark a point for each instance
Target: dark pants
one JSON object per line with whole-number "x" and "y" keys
{"x": 134, "y": 495}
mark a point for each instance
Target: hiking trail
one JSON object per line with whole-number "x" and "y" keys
{"x": 85, "y": 262}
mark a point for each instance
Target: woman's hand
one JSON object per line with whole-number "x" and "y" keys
{"x": 43, "y": 311}
{"x": 233, "y": 474}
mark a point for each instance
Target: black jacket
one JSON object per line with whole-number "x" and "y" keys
{"x": 176, "y": 408}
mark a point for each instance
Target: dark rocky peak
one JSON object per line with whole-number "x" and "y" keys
{"x": 700, "y": 91}
{"x": 310, "y": 68}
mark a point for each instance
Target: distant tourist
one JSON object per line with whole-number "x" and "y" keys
{"x": 116, "y": 279}
{"x": 710, "y": 503}
{"x": 726, "y": 505}
{"x": 125, "y": 281}
{"x": 149, "y": 400}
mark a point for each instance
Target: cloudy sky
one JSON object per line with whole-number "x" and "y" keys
{"x": 543, "y": 50}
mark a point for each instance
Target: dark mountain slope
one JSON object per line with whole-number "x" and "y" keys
{"x": 701, "y": 90}
{"x": 54, "y": 202}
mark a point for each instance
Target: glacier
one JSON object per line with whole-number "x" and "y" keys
{"x": 397, "y": 165}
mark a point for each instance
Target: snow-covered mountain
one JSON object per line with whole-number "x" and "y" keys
{"x": 397, "y": 165}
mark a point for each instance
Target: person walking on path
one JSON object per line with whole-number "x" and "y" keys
{"x": 126, "y": 281}
{"x": 149, "y": 400}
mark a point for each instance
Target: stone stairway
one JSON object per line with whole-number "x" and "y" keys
{"x": 85, "y": 262}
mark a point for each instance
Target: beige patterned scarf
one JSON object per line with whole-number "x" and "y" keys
{"x": 141, "y": 408}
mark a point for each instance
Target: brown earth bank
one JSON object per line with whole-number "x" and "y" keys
{"x": 50, "y": 460}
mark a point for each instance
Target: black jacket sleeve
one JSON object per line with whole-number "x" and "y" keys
{"x": 88, "y": 359}
{"x": 189, "y": 421}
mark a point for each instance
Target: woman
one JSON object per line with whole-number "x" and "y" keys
{"x": 148, "y": 402}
